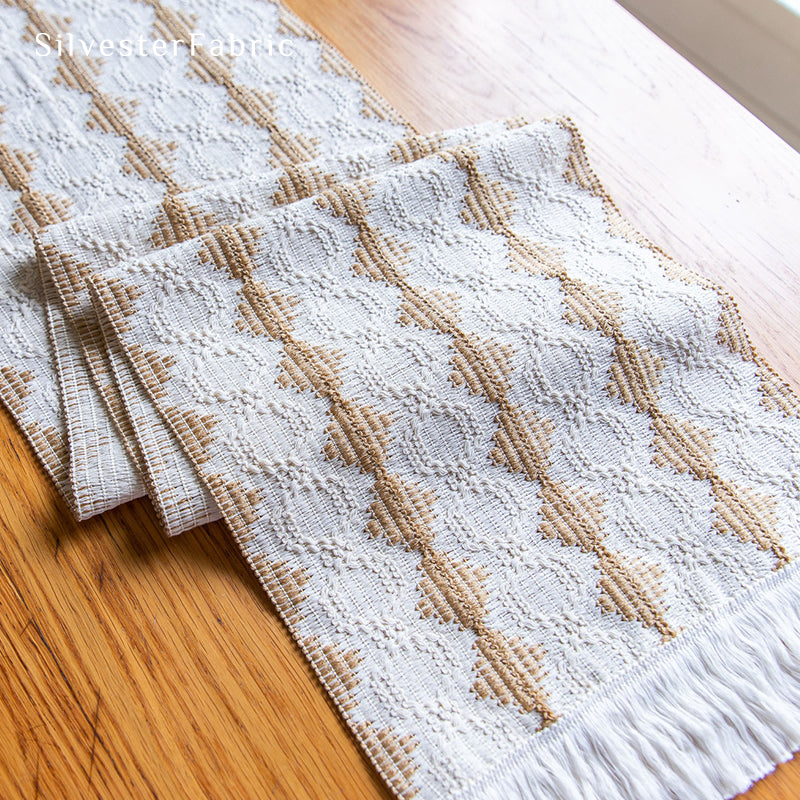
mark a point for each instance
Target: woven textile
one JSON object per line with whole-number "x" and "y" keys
{"x": 515, "y": 480}
{"x": 69, "y": 252}
{"x": 518, "y": 483}
{"x": 80, "y": 132}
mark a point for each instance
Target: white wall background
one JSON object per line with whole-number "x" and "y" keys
{"x": 749, "y": 47}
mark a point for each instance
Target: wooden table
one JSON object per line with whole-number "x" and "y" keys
{"x": 137, "y": 667}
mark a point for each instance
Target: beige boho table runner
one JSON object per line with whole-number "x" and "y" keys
{"x": 516, "y": 481}
{"x": 84, "y": 131}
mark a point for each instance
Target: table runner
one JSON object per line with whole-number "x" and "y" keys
{"x": 518, "y": 483}
{"x": 514, "y": 511}
{"x": 70, "y": 251}
{"x": 83, "y": 130}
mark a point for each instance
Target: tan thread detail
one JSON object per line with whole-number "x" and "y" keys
{"x": 634, "y": 370}
{"x": 451, "y": 590}
{"x": 627, "y": 586}
{"x": 145, "y": 158}
{"x": 154, "y": 367}
{"x": 194, "y": 430}
{"x": 52, "y": 448}
{"x": 483, "y": 367}
{"x": 536, "y": 258}
{"x": 591, "y": 306}
{"x": 238, "y": 504}
{"x": 337, "y": 669}
{"x": 624, "y": 580}
{"x": 488, "y": 205}
{"x": 683, "y": 446}
{"x": 230, "y": 247}
{"x": 776, "y": 393}
{"x": 300, "y": 182}
{"x": 248, "y": 105}
{"x": 731, "y": 333}
{"x": 523, "y": 442}
{"x": 14, "y": 388}
{"x": 358, "y": 435}
{"x": 284, "y": 584}
{"x": 412, "y": 148}
{"x": 686, "y": 448}
{"x": 403, "y": 513}
{"x": 279, "y": 311}
{"x": 578, "y": 169}
{"x": 392, "y": 756}
{"x": 748, "y": 516}
{"x": 263, "y": 312}
{"x": 634, "y": 375}
{"x": 125, "y": 295}
{"x": 179, "y": 222}
{"x": 35, "y": 210}
{"x": 98, "y": 119}
{"x": 507, "y": 669}
{"x": 69, "y": 274}
{"x": 65, "y": 272}
{"x": 517, "y": 122}
{"x": 38, "y": 210}
{"x": 373, "y": 104}
{"x": 306, "y": 367}
{"x": 433, "y": 309}
{"x": 563, "y": 507}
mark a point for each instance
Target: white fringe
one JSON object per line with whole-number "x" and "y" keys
{"x": 713, "y": 711}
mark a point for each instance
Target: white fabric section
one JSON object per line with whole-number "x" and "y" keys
{"x": 618, "y": 483}
{"x": 89, "y": 134}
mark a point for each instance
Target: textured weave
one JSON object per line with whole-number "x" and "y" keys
{"x": 70, "y": 251}
{"x": 80, "y": 133}
{"x": 493, "y": 456}
{"x": 518, "y": 483}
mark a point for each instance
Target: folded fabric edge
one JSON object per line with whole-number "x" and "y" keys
{"x": 172, "y": 507}
{"x": 712, "y": 712}
{"x": 83, "y": 502}
{"x": 168, "y": 508}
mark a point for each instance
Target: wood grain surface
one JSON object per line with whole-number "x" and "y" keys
{"x": 134, "y": 667}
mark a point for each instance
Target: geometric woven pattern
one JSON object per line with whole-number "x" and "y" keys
{"x": 489, "y": 451}
{"x": 518, "y": 484}
{"x": 81, "y": 131}
{"x": 70, "y": 251}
